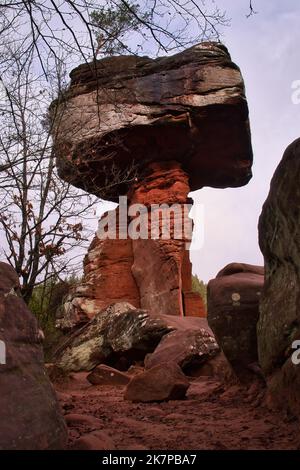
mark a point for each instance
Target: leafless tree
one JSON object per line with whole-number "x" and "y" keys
{"x": 163, "y": 25}
{"x": 42, "y": 217}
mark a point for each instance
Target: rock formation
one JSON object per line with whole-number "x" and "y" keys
{"x": 152, "y": 130}
{"x": 120, "y": 335}
{"x": 30, "y": 418}
{"x": 279, "y": 323}
{"x": 233, "y": 311}
{"x": 163, "y": 382}
{"x": 187, "y": 348}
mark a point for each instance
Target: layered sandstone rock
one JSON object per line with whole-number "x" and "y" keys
{"x": 188, "y": 348}
{"x": 279, "y": 323}
{"x": 233, "y": 311}
{"x": 152, "y": 130}
{"x": 107, "y": 279}
{"x": 30, "y": 418}
{"x": 162, "y": 268}
{"x": 153, "y": 273}
{"x": 120, "y": 335}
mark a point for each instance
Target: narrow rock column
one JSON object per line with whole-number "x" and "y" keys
{"x": 162, "y": 268}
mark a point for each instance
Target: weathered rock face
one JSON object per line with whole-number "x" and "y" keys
{"x": 161, "y": 383}
{"x": 187, "y": 348}
{"x": 233, "y": 311}
{"x": 118, "y": 335}
{"x": 154, "y": 274}
{"x": 158, "y": 262}
{"x": 29, "y": 414}
{"x": 145, "y": 110}
{"x": 162, "y": 268}
{"x": 120, "y": 331}
{"x": 107, "y": 279}
{"x": 164, "y": 127}
{"x": 279, "y": 239}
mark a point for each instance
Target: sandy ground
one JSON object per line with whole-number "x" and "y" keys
{"x": 212, "y": 417}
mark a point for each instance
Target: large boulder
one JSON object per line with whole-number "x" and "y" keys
{"x": 233, "y": 311}
{"x": 119, "y": 333}
{"x": 187, "y": 348}
{"x": 107, "y": 279}
{"x": 279, "y": 323}
{"x": 30, "y": 418}
{"x": 161, "y": 383}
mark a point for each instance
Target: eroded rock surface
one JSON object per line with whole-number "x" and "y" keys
{"x": 118, "y": 331}
{"x": 108, "y": 279}
{"x": 120, "y": 336}
{"x": 279, "y": 239}
{"x": 187, "y": 348}
{"x": 105, "y": 375}
{"x": 146, "y": 110}
{"x": 30, "y": 418}
{"x": 233, "y": 311}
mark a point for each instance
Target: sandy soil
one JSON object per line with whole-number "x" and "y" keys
{"x": 211, "y": 417}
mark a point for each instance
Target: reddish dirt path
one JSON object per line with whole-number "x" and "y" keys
{"x": 211, "y": 417}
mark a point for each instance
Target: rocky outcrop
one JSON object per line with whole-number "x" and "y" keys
{"x": 279, "y": 323}
{"x": 233, "y": 311}
{"x": 120, "y": 331}
{"x": 107, "y": 279}
{"x": 187, "y": 348}
{"x": 119, "y": 336}
{"x": 163, "y": 382}
{"x": 147, "y": 129}
{"x": 30, "y": 418}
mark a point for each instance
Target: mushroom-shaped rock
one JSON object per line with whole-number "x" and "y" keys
{"x": 152, "y": 130}
{"x": 190, "y": 108}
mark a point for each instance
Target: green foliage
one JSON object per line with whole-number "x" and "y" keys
{"x": 199, "y": 287}
{"x": 113, "y": 21}
{"x": 45, "y": 301}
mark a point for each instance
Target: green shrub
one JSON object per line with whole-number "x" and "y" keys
{"x": 45, "y": 301}
{"x": 200, "y": 287}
